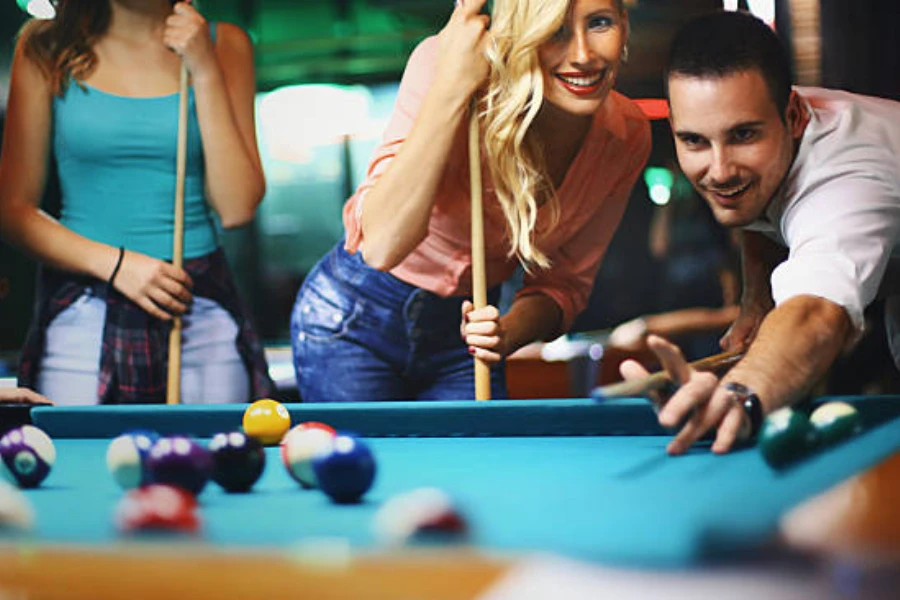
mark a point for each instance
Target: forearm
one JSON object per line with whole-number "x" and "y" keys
{"x": 396, "y": 211}
{"x": 691, "y": 320}
{"x": 530, "y": 318}
{"x": 234, "y": 179}
{"x": 759, "y": 257}
{"x": 38, "y": 234}
{"x": 796, "y": 344}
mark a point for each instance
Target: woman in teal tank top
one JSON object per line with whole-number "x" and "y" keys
{"x": 97, "y": 88}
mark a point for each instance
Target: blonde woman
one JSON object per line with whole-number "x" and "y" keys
{"x": 379, "y": 317}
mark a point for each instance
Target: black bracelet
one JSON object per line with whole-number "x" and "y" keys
{"x": 115, "y": 271}
{"x": 749, "y": 401}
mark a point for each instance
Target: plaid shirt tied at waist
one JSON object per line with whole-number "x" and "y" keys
{"x": 135, "y": 350}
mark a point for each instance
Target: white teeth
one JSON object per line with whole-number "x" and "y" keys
{"x": 582, "y": 81}
{"x": 729, "y": 194}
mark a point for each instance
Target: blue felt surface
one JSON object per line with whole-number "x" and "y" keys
{"x": 617, "y": 499}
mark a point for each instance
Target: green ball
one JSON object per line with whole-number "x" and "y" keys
{"x": 835, "y": 421}
{"x": 786, "y": 436}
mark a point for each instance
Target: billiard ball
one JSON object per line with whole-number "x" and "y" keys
{"x": 266, "y": 420}
{"x": 786, "y": 436}
{"x": 238, "y": 461}
{"x": 157, "y": 507}
{"x": 346, "y": 471}
{"x": 16, "y": 511}
{"x": 421, "y": 515}
{"x": 126, "y": 458}
{"x": 300, "y": 446}
{"x": 26, "y": 456}
{"x": 181, "y": 462}
{"x": 834, "y": 421}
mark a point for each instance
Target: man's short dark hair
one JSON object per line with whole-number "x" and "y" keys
{"x": 723, "y": 43}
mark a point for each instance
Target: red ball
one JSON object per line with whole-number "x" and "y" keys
{"x": 157, "y": 507}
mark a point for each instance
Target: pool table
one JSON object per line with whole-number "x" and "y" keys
{"x": 575, "y": 478}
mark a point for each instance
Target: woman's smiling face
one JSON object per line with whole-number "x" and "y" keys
{"x": 581, "y": 60}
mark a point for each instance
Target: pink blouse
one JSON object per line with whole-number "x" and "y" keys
{"x": 592, "y": 197}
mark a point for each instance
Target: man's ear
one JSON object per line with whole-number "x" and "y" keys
{"x": 795, "y": 115}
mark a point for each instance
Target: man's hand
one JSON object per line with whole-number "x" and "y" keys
{"x": 743, "y": 331}
{"x": 22, "y": 395}
{"x": 700, "y": 404}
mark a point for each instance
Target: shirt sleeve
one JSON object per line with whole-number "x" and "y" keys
{"x": 841, "y": 237}
{"x": 417, "y": 78}
{"x": 570, "y": 278}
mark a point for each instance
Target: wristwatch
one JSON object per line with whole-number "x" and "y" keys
{"x": 749, "y": 401}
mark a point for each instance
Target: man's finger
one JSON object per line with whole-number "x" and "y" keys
{"x": 689, "y": 398}
{"x": 671, "y": 358}
{"x": 632, "y": 369}
{"x": 728, "y": 431}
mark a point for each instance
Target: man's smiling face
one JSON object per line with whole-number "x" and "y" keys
{"x": 732, "y": 143}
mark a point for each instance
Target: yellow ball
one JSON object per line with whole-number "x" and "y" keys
{"x": 267, "y": 421}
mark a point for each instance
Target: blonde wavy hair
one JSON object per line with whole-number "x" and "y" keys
{"x": 513, "y": 99}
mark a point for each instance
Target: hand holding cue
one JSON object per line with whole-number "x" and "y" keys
{"x": 479, "y": 285}
{"x": 173, "y": 388}
{"x": 658, "y": 380}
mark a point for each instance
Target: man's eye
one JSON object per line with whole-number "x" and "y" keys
{"x": 743, "y": 135}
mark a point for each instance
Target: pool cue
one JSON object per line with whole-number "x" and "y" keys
{"x": 173, "y": 388}
{"x": 660, "y": 379}
{"x": 479, "y": 285}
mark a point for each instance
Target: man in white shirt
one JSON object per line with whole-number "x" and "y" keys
{"x": 812, "y": 176}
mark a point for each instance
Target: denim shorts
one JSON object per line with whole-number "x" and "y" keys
{"x": 360, "y": 334}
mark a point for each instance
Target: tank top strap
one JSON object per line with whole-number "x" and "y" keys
{"x": 212, "y": 31}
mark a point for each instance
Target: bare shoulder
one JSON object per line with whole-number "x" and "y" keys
{"x": 232, "y": 40}
{"x": 32, "y": 57}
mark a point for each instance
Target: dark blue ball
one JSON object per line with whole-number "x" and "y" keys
{"x": 347, "y": 470}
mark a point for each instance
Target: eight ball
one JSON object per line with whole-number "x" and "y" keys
{"x": 238, "y": 461}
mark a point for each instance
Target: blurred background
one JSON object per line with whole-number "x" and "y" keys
{"x": 327, "y": 73}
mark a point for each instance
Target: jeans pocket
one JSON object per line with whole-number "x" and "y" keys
{"x": 86, "y": 306}
{"x": 324, "y": 312}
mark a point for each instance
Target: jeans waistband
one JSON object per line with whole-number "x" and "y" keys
{"x": 382, "y": 287}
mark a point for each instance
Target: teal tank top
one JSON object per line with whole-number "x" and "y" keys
{"x": 116, "y": 163}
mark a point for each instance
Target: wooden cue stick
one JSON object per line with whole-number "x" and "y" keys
{"x": 479, "y": 285}
{"x": 173, "y": 388}
{"x": 639, "y": 387}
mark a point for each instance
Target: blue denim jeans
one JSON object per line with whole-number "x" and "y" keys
{"x": 361, "y": 334}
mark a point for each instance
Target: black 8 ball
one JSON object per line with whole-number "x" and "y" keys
{"x": 238, "y": 461}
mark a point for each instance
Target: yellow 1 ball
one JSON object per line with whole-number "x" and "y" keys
{"x": 267, "y": 421}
